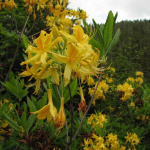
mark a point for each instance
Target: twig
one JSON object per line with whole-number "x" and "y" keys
{"x": 35, "y": 22}
{"x": 87, "y": 110}
{"x": 57, "y": 91}
{"x": 38, "y": 32}
{"x": 14, "y": 58}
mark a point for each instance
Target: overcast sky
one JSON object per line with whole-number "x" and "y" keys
{"x": 127, "y": 9}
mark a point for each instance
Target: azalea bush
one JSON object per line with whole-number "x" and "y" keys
{"x": 69, "y": 97}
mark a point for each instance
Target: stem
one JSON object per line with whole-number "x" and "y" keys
{"x": 71, "y": 112}
{"x": 87, "y": 110}
{"x": 38, "y": 32}
{"x": 14, "y": 58}
{"x": 58, "y": 91}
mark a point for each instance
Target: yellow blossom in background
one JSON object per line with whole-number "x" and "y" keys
{"x": 111, "y": 108}
{"x": 109, "y": 80}
{"x": 111, "y": 69}
{"x": 139, "y": 73}
{"x": 112, "y": 140}
{"x": 130, "y": 79}
{"x": 10, "y": 4}
{"x": 139, "y": 81}
{"x": 127, "y": 90}
{"x": 132, "y": 104}
{"x": 101, "y": 90}
{"x": 132, "y": 138}
{"x": 97, "y": 120}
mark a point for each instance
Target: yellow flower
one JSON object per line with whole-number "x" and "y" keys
{"x": 132, "y": 104}
{"x": 48, "y": 111}
{"x": 10, "y": 4}
{"x": 139, "y": 73}
{"x": 60, "y": 119}
{"x": 44, "y": 46}
{"x": 130, "y": 79}
{"x": 70, "y": 60}
{"x": 139, "y": 80}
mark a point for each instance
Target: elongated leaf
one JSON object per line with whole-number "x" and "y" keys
{"x": 31, "y": 105}
{"x": 12, "y": 126}
{"x": 12, "y": 121}
{"x": 115, "y": 18}
{"x": 24, "y": 120}
{"x": 25, "y": 41}
{"x": 96, "y": 44}
{"x": 101, "y": 28}
{"x": 114, "y": 41}
{"x": 56, "y": 99}
{"x": 108, "y": 30}
{"x": 30, "y": 121}
{"x": 99, "y": 33}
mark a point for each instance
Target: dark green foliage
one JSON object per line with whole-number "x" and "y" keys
{"x": 132, "y": 51}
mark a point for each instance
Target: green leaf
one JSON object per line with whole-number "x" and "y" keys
{"x": 30, "y": 121}
{"x": 99, "y": 33}
{"x": 25, "y": 41}
{"x": 55, "y": 97}
{"x": 108, "y": 30}
{"x": 12, "y": 126}
{"x": 10, "y": 144}
{"x": 114, "y": 41}
{"x": 31, "y": 105}
{"x": 95, "y": 44}
{"x": 115, "y": 18}
{"x": 24, "y": 120}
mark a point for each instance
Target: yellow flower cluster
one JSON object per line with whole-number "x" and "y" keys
{"x": 143, "y": 118}
{"x": 109, "y": 142}
{"x": 111, "y": 69}
{"x": 139, "y": 81}
{"x": 139, "y": 73}
{"x": 10, "y": 4}
{"x": 97, "y": 120}
{"x": 132, "y": 104}
{"x": 60, "y": 53}
{"x": 130, "y": 80}
{"x": 61, "y": 17}
{"x": 133, "y": 139}
{"x": 101, "y": 90}
{"x": 127, "y": 90}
